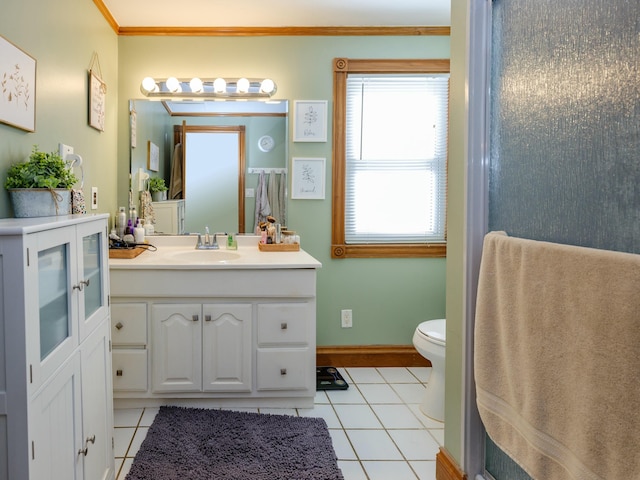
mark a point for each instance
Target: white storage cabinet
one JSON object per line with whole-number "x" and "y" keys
{"x": 56, "y": 407}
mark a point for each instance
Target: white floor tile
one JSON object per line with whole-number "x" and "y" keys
{"x": 397, "y": 375}
{"x": 127, "y": 417}
{"x": 357, "y": 416}
{"x": 122, "y": 438}
{"x": 396, "y": 416}
{"x": 341, "y": 445}
{"x": 139, "y": 437}
{"x": 126, "y": 466}
{"x": 421, "y": 373}
{"x": 321, "y": 397}
{"x": 345, "y": 374}
{"x": 379, "y": 393}
{"x": 389, "y": 470}
{"x": 415, "y": 444}
{"x": 424, "y": 419}
{"x": 425, "y": 470}
{"x": 365, "y": 375}
{"x": 350, "y": 395}
{"x": 321, "y": 411}
{"x": 351, "y": 470}
{"x": 148, "y": 416}
{"x": 373, "y": 445}
{"x": 409, "y": 392}
{"x": 438, "y": 435}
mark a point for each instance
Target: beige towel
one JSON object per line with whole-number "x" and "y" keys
{"x": 557, "y": 357}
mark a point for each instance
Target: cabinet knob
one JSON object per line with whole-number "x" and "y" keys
{"x": 119, "y": 326}
{"x": 283, "y": 371}
{"x": 118, "y": 373}
{"x": 81, "y": 285}
{"x": 207, "y": 318}
{"x": 91, "y": 439}
{"x": 283, "y": 326}
{"x": 194, "y": 318}
{"x": 83, "y": 451}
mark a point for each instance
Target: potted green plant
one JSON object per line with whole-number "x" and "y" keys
{"x": 158, "y": 189}
{"x": 40, "y": 186}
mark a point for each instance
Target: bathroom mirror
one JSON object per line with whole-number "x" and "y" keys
{"x": 229, "y": 189}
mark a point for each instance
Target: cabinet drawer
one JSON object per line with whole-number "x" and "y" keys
{"x": 285, "y": 369}
{"x": 129, "y": 324}
{"x": 284, "y": 323}
{"x": 129, "y": 370}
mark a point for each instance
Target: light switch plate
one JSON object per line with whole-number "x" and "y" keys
{"x": 64, "y": 150}
{"x": 94, "y": 198}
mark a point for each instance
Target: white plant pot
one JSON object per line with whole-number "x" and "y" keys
{"x": 40, "y": 202}
{"x": 159, "y": 196}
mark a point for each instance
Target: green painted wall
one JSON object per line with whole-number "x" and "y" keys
{"x": 389, "y": 297}
{"x": 62, "y": 36}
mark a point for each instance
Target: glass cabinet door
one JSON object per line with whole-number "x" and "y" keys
{"x": 91, "y": 250}
{"x": 53, "y": 301}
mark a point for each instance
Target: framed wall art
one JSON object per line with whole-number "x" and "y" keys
{"x": 17, "y": 87}
{"x": 307, "y": 178}
{"x": 97, "y": 97}
{"x": 153, "y": 157}
{"x": 309, "y": 120}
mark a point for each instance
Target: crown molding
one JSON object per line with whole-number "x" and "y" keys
{"x": 270, "y": 31}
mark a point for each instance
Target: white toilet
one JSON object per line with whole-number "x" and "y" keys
{"x": 429, "y": 340}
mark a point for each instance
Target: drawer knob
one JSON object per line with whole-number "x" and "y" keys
{"x": 283, "y": 326}
{"x": 119, "y": 326}
{"x": 118, "y": 373}
{"x": 207, "y": 318}
{"x": 283, "y": 371}
{"x": 194, "y": 318}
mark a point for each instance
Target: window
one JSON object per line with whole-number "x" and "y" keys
{"x": 389, "y": 159}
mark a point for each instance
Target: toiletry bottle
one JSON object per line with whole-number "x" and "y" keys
{"x": 138, "y": 233}
{"x": 232, "y": 243}
{"x": 122, "y": 222}
{"x": 149, "y": 229}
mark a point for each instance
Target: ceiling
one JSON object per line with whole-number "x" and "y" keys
{"x": 277, "y": 13}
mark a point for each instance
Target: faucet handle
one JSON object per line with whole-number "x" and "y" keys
{"x": 199, "y": 241}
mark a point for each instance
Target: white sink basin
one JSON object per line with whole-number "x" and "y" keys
{"x": 203, "y": 256}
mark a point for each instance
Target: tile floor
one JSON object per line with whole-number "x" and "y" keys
{"x": 377, "y": 428}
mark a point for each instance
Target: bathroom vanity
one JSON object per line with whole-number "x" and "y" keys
{"x": 214, "y": 327}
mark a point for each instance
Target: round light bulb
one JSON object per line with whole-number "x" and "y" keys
{"x": 173, "y": 85}
{"x": 219, "y": 85}
{"x": 149, "y": 84}
{"x": 267, "y": 86}
{"x": 196, "y": 85}
{"x": 242, "y": 86}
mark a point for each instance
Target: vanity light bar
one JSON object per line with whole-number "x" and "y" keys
{"x": 173, "y": 87}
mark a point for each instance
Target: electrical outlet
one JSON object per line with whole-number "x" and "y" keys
{"x": 347, "y": 318}
{"x": 94, "y": 198}
{"x": 64, "y": 150}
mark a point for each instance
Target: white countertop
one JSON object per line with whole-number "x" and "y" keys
{"x": 179, "y": 253}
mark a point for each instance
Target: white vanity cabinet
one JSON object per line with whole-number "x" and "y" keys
{"x": 218, "y": 333}
{"x": 201, "y": 347}
{"x": 56, "y": 411}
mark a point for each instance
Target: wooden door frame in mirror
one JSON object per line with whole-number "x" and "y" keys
{"x": 179, "y": 134}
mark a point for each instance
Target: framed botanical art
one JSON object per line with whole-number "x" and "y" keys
{"x": 153, "y": 157}
{"x": 307, "y": 178}
{"x": 17, "y": 87}
{"x": 309, "y": 120}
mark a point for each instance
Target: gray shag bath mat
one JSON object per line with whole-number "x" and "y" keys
{"x": 201, "y": 444}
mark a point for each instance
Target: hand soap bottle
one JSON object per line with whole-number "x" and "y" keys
{"x": 232, "y": 243}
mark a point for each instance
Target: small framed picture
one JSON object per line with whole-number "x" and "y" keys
{"x": 307, "y": 179}
{"x": 309, "y": 120}
{"x": 17, "y": 87}
{"x": 153, "y": 157}
{"x": 97, "y": 97}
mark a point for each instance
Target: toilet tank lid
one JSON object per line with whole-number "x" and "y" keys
{"x": 436, "y": 329}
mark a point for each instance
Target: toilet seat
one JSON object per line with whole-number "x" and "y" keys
{"x": 434, "y": 330}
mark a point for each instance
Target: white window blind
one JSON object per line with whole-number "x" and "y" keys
{"x": 396, "y": 158}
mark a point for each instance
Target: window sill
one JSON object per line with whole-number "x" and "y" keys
{"x": 428, "y": 250}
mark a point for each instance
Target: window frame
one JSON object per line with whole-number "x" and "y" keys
{"x": 342, "y": 67}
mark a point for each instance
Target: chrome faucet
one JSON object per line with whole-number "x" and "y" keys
{"x": 210, "y": 242}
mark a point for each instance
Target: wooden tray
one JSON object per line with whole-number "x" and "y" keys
{"x": 125, "y": 252}
{"x": 279, "y": 247}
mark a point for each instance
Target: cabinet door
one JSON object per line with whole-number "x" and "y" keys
{"x": 92, "y": 276}
{"x": 176, "y": 347}
{"x": 56, "y": 426}
{"x": 97, "y": 405}
{"x": 226, "y": 347}
{"x": 51, "y": 301}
